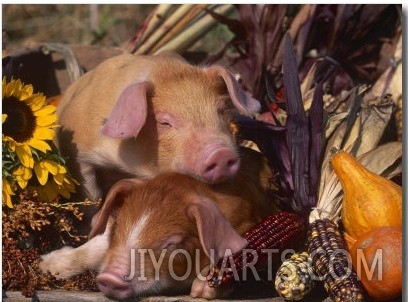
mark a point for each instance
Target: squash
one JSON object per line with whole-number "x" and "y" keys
{"x": 369, "y": 200}
{"x": 382, "y": 246}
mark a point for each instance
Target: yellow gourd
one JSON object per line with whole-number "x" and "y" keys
{"x": 370, "y": 200}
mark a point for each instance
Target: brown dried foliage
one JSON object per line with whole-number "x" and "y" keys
{"x": 33, "y": 228}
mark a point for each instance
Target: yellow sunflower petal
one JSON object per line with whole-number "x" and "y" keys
{"x": 64, "y": 192}
{"x": 59, "y": 179}
{"x": 28, "y": 89}
{"x": 70, "y": 183}
{"x": 7, "y": 187}
{"x": 7, "y": 199}
{"x": 50, "y": 165}
{"x": 3, "y": 118}
{"x": 24, "y": 155}
{"x": 62, "y": 169}
{"x": 23, "y": 96}
{"x": 46, "y": 110}
{"x": 24, "y": 92}
{"x": 39, "y": 144}
{"x": 73, "y": 181}
{"x": 13, "y": 88}
{"x": 48, "y": 192}
{"x": 44, "y": 133}
{"x": 22, "y": 183}
{"x": 42, "y": 174}
{"x": 22, "y": 173}
{"x": 11, "y": 143}
{"x": 52, "y": 190}
{"x": 46, "y": 120}
{"x": 36, "y": 102}
{"x": 21, "y": 179}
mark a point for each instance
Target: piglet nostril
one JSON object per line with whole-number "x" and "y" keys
{"x": 211, "y": 167}
{"x": 231, "y": 163}
{"x": 219, "y": 164}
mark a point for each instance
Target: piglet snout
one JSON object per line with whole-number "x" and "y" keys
{"x": 219, "y": 163}
{"x": 113, "y": 284}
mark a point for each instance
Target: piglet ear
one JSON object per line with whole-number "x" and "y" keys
{"x": 215, "y": 231}
{"x": 114, "y": 200}
{"x": 242, "y": 100}
{"x": 129, "y": 113}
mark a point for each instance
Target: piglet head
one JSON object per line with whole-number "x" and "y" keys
{"x": 163, "y": 234}
{"x": 184, "y": 114}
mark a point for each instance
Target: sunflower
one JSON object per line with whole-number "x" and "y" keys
{"x": 59, "y": 184}
{"x": 28, "y": 129}
{"x": 27, "y": 120}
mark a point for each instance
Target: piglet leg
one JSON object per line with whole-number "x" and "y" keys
{"x": 68, "y": 261}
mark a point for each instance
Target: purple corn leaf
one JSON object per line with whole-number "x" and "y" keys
{"x": 297, "y": 127}
{"x": 271, "y": 141}
{"x": 325, "y": 68}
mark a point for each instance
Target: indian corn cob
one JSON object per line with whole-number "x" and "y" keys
{"x": 280, "y": 231}
{"x": 294, "y": 278}
{"x": 330, "y": 261}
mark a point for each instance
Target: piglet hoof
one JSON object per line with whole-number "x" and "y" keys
{"x": 60, "y": 263}
{"x": 201, "y": 289}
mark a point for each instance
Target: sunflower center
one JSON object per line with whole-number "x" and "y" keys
{"x": 21, "y": 121}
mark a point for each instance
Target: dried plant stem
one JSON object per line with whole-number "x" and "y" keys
{"x": 161, "y": 12}
{"x": 190, "y": 17}
{"x": 152, "y": 22}
{"x": 171, "y": 21}
{"x": 192, "y": 34}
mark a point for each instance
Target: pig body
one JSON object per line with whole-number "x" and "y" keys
{"x": 139, "y": 116}
{"x": 176, "y": 217}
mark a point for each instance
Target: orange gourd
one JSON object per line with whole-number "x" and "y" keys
{"x": 377, "y": 259}
{"x": 370, "y": 200}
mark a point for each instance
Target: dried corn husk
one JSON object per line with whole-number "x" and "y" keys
{"x": 195, "y": 13}
{"x": 169, "y": 23}
{"x": 173, "y": 27}
{"x": 395, "y": 86}
{"x": 363, "y": 136}
{"x": 157, "y": 17}
{"x": 195, "y": 31}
